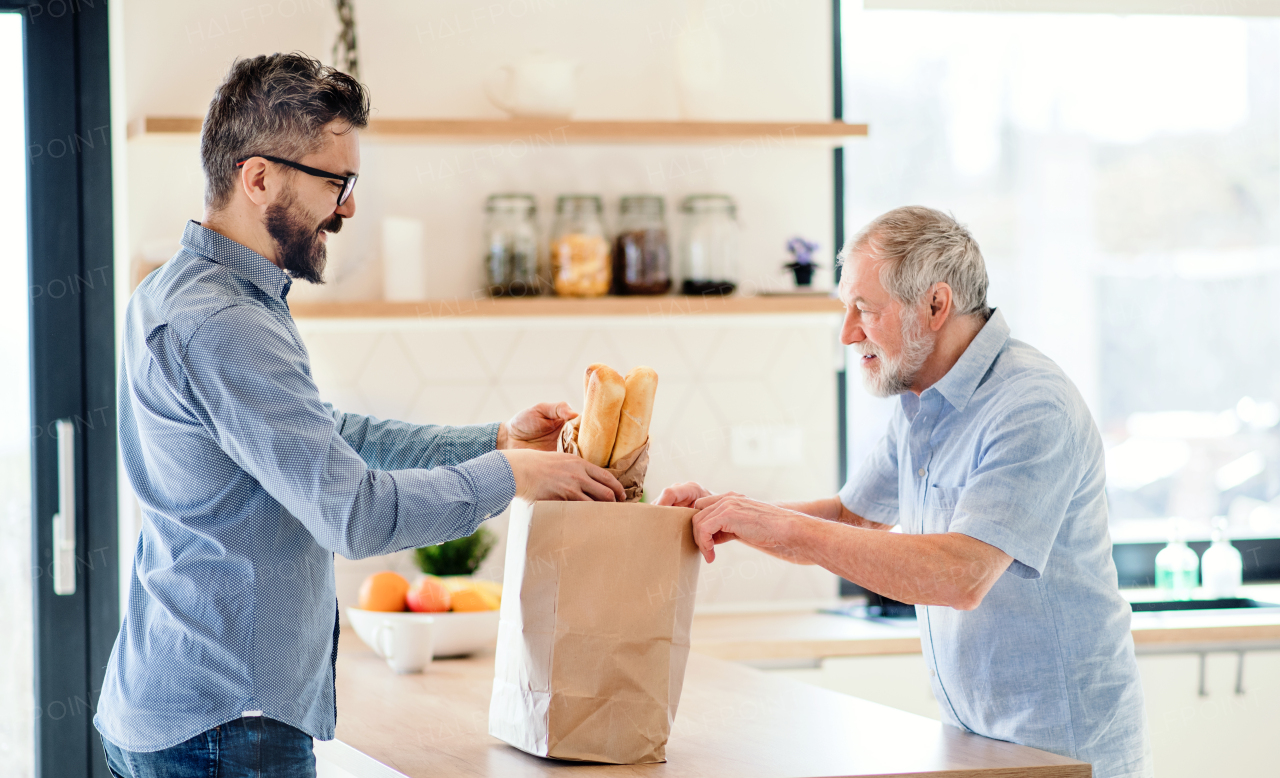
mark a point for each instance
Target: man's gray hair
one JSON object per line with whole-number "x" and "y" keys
{"x": 277, "y": 104}
{"x": 918, "y": 247}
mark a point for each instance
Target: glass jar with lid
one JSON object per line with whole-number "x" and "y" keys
{"x": 579, "y": 249}
{"x": 708, "y": 244}
{"x": 641, "y": 252}
{"x": 511, "y": 245}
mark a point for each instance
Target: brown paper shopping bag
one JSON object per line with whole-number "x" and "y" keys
{"x": 594, "y": 630}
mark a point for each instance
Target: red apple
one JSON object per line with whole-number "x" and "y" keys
{"x": 428, "y": 594}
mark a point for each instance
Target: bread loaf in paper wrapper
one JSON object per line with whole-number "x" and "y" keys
{"x": 629, "y": 471}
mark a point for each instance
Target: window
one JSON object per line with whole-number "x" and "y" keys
{"x": 1122, "y": 175}
{"x": 17, "y": 698}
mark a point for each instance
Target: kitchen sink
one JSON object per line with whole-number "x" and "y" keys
{"x": 1196, "y": 605}
{"x": 877, "y": 608}
{"x": 884, "y": 609}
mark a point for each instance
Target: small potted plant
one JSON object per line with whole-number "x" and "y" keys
{"x": 801, "y": 264}
{"x": 462, "y": 556}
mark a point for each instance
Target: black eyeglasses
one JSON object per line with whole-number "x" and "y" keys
{"x": 348, "y": 182}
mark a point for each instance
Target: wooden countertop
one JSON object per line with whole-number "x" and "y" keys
{"x": 752, "y": 637}
{"x": 794, "y": 636}
{"x": 733, "y": 720}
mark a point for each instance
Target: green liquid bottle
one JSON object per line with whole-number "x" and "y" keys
{"x": 1177, "y": 567}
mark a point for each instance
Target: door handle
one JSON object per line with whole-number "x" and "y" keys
{"x": 64, "y": 521}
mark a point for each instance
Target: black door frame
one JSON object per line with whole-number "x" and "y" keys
{"x": 72, "y": 318}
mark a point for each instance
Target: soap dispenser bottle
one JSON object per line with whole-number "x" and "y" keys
{"x": 1177, "y": 566}
{"x": 1222, "y": 566}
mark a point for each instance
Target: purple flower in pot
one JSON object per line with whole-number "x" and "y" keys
{"x": 801, "y": 264}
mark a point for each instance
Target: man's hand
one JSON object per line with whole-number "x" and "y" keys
{"x": 536, "y": 428}
{"x": 730, "y": 516}
{"x": 682, "y": 495}
{"x": 546, "y": 475}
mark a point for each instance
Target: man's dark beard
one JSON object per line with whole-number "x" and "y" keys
{"x": 298, "y": 244}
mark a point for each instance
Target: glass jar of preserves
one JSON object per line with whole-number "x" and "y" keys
{"x": 579, "y": 250}
{"x": 708, "y": 244}
{"x": 641, "y": 252}
{"x": 511, "y": 245}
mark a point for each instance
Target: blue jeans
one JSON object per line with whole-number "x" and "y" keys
{"x": 248, "y": 747}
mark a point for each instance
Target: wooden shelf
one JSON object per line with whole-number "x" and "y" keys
{"x": 552, "y": 132}
{"x": 670, "y": 305}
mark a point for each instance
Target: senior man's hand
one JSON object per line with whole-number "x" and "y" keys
{"x": 536, "y": 428}
{"x": 682, "y": 495}
{"x": 730, "y": 516}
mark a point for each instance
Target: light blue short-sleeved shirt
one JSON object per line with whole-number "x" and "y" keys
{"x": 1003, "y": 449}
{"x": 249, "y": 484}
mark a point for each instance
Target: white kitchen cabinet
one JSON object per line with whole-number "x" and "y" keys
{"x": 900, "y": 681}
{"x": 1219, "y": 734}
{"x": 336, "y": 759}
{"x": 327, "y": 769}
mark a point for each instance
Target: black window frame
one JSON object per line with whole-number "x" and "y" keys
{"x": 837, "y": 241}
{"x": 72, "y": 351}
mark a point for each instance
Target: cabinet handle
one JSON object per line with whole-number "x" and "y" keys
{"x": 64, "y": 521}
{"x": 1239, "y": 673}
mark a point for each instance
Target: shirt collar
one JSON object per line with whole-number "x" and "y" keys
{"x": 962, "y": 380}
{"x": 244, "y": 261}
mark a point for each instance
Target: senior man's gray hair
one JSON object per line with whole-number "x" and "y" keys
{"x": 918, "y": 247}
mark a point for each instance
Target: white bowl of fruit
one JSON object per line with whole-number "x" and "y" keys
{"x": 464, "y": 609}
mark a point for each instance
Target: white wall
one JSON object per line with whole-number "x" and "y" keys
{"x": 716, "y": 373}
{"x": 781, "y": 191}
{"x": 430, "y": 60}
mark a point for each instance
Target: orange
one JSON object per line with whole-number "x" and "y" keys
{"x": 473, "y": 598}
{"x": 460, "y": 582}
{"x": 383, "y": 591}
{"x": 428, "y": 595}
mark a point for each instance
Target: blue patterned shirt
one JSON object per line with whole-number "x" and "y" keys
{"x": 1003, "y": 449}
{"x": 249, "y": 484}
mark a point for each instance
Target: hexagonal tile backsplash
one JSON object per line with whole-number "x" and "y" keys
{"x": 715, "y": 373}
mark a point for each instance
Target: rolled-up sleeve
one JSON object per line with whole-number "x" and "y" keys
{"x": 873, "y": 492}
{"x": 1017, "y": 495}
{"x": 248, "y": 382}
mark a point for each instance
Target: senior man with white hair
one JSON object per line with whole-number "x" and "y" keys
{"x": 992, "y": 467}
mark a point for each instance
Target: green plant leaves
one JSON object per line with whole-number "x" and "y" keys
{"x": 456, "y": 557}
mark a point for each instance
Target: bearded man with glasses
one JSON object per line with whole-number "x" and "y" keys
{"x": 248, "y": 482}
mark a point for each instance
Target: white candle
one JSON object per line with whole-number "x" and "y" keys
{"x": 404, "y": 262}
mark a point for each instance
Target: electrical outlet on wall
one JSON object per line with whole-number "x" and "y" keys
{"x": 766, "y": 445}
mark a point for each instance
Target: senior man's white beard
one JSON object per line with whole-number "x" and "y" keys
{"x": 896, "y": 375}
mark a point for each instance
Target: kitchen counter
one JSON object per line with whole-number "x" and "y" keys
{"x": 733, "y": 720}
{"x": 779, "y": 638}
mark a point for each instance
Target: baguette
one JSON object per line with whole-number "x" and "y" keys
{"x": 637, "y": 410}
{"x": 601, "y": 408}
{"x": 586, "y": 379}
